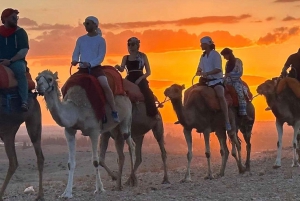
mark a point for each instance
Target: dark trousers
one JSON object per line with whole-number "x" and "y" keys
{"x": 149, "y": 98}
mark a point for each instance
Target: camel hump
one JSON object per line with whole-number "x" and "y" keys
{"x": 8, "y": 80}
{"x": 292, "y": 83}
{"x": 114, "y": 79}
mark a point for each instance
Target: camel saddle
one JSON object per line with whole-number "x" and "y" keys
{"x": 210, "y": 96}
{"x": 93, "y": 89}
{"x": 291, "y": 83}
{"x": 8, "y": 80}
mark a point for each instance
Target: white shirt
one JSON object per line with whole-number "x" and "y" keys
{"x": 209, "y": 63}
{"x": 90, "y": 49}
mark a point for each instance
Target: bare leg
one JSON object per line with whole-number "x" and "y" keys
{"x": 221, "y": 96}
{"x": 108, "y": 93}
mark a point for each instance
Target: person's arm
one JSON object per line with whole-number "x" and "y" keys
{"x": 200, "y": 67}
{"x": 101, "y": 54}
{"x": 147, "y": 68}
{"x": 22, "y": 44}
{"x": 76, "y": 52}
{"x": 122, "y": 67}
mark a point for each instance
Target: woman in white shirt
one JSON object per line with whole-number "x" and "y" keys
{"x": 210, "y": 68}
{"x": 233, "y": 74}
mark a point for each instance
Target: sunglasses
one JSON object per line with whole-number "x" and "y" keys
{"x": 131, "y": 44}
{"x": 86, "y": 23}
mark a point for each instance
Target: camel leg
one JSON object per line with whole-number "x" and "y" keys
{"x": 279, "y": 127}
{"x": 158, "y": 132}
{"x": 71, "y": 141}
{"x": 34, "y": 130}
{"x": 131, "y": 149}
{"x": 224, "y": 151}
{"x": 188, "y": 138}
{"x": 119, "y": 144}
{"x": 295, "y": 156}
{"x": 247, "y": 138}
{"x": 94, "y": 137}
{"x": 132, "y": 180}
{"x": 207, "y": 154}
{"x": 236, "y": 148}
{"x": 104, "y": 139}
{"x": 8, "y": 138}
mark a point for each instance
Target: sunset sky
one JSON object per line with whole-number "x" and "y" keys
{"x": 262, "y": 33}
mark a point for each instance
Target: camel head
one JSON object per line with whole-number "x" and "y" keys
{"x": 174, "y": 91}
{"x": 46, "y": 81}
{"x": 268, "y": 87}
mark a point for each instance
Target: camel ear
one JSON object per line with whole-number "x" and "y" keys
{"x": 183, "y": 86}
{"x": 56, "y": 75}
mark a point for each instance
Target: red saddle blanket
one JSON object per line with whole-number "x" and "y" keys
{"x": 211, "y": 99}
{"x": 8, "y": 80}
{"x": 93, "y": 89}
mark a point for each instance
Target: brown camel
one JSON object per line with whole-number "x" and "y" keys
{"x": 10, "y": 120}
{"x": 74, "y": 113}
{"x": 196, "y": 113}
{"x": 141, "y": 124}
{"x": 285, "y": 106}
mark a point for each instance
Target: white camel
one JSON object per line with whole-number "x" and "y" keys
{"x": 74, "y": 113}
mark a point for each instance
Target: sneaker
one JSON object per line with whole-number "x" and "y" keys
{"x": 24, "y": 107}
{"x": 115, "y": 116}
{"x": 228, "y": 126}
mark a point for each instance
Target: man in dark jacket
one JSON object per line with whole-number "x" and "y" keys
{"x": 293, "y": 61}
{"x": 13, "y": 49}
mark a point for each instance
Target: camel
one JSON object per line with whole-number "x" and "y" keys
{"x": 141, "y": 124}
{"x": 197, "y": 114}
{"x": 285, "y": 106}
{"x": 74, "y": 113}
{"x": 10, "y": 120}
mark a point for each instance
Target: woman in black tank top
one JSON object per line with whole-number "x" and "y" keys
{"x": 135, "y": 62}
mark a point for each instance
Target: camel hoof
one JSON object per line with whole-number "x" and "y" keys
{"x": 114, "y": 178}
{"x": 131, "y": 181}
{"x": 210, "y": 177}
{"x": 165, "y": 181}
{"x": 218, "y": 175}
{"x": 39, "y": 198}
{"x": 276, "y": 166}
{"x": 99, "y": 191}
{"x": 185, "y": 180}
{"x": 66, "y": 195}
{"x": 295, "y": 164}
{"x": 242, "y": 170}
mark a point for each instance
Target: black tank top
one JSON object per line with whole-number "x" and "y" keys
{"x": 134, "y": 71}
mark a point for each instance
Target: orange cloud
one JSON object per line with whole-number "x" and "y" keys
{"x": 193, "y": 21}
{"x": 27, "y": 22}
{"x": 290, "y": 18}
{"x": 270, "y": 18}
{"x": 285, "y": 1}
{"x": 279, "y": 35}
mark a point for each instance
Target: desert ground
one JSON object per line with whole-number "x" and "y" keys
{"x": 261, "y": 183}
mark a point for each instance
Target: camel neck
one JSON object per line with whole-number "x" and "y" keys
{"x": 178, "y": 107}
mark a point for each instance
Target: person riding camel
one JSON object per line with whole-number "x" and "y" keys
{"x": 135, "y": 62}
{"x": 210, "y": 68}
{"x": 13, "y": 50}
{"x": 233, "y": 74}
{"x": 293, "y": 61}
{"x": 90, "y": 50}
